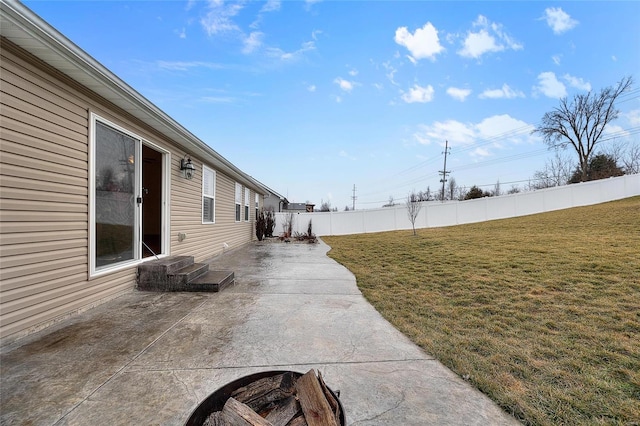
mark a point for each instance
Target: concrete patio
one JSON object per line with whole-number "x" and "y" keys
{"x": 151, "y": 358}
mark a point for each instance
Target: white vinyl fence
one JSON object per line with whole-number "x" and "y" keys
{"x": 435, "y": 214}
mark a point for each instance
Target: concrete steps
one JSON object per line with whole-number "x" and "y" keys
{"x": 213, "y": 280}
{"x": 181, "y": 273}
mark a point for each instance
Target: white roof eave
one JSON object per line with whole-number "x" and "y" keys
{"x": 30, "y": 32}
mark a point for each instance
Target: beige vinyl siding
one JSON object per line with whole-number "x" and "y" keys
{"x": 64, "y": 301}
{"x": 43, "y": 184}
{"x": 204, "y": 240}
{"x": 44, "y": 207}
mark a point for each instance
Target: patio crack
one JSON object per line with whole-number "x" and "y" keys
{"x": 377, "y": 416}
{"x": 188, "y": 388}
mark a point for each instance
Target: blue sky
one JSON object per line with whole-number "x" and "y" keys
{"x": 314, "y": 97}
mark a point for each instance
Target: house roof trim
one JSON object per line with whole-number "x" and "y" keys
{"x": 27, "y": 30}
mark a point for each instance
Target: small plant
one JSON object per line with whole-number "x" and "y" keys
{"x": 270, "y": 222}
{"x": 309, "y": 236}
{"x": 261, "y": 226}
{"x": 287, "y": 225}
{"x": 413, "y": 208}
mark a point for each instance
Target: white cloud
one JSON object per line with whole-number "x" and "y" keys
{"x": 476, "y": 44}
{"x": 451, "y": 130}
{"x": 311, "y": 88}
{"x": 186, "y": 66}
{"x": 549, "y": 86}
{"x": 576, "y": 82}
{"x": 488, "y": 38}
{"x": 505, "y": 92}
{"x": 559, "y": 20}
{"x": 556, "y": 59}
{"x": 218, "y": 18}
{"x": 271, "y": 6}
{"x": 480, "y": 152}
{"x": 353, "y": 72}
{"x": 252, "y": 42}
{"x": 504, "y": 128}
{"x": 615, "y": 131}
{"x": 345, "y": 154}
{"x": 345, "y": 85}
{"x": 391, "y": 71}
{"x": 634, "y": 117}
{"x": 418, "y": 94}
{"x": 278, "y": 53}
{"x": 458, "y": 94}
{"x": 424, "y": 43}
{"x": 218, "y": 99}
{"x": 497, "y": 130}
{"x": 268, "y": 7}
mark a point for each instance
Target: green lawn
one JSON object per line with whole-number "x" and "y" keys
{"x": 541, "y": 313}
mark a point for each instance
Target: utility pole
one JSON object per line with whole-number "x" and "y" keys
{"x": 353, "y": 197}
{"x": 444, "y": 171}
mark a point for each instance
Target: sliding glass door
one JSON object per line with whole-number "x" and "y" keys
{"x": 116, "y": 181}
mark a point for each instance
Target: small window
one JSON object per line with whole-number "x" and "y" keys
{"x": 257, "y": 206}
{"x": 246, "y": 204}
{"x": 208, "y": 195}
{"x": 238, "y": 201}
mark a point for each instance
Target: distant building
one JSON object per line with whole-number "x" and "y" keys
{"x": 300, "y": 207}
{"x": 275, "y": 201}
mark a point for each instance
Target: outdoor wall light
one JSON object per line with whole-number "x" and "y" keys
{"x": 187, "y": 167}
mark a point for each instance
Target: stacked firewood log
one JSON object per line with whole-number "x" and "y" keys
{"x": 286, "y": 399}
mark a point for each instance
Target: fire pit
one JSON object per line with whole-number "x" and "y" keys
{"x": 278, "y": 398}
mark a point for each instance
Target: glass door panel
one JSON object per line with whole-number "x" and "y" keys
{"x": 115, "y": 200}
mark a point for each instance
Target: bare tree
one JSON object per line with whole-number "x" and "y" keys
{"x": 513, "y": 190}
{"x": 541, "y": 180}
{"x": 452, "y": 187}
{"x": 557, "y": 171}
{"x": 579, "y": 122}
{"x": 325, "y": 206}
{"x": 413, "y": 208}
{"x": 425, "y": 195}
{"x": 497, "y": 191}
{"x": 462, "y": 192}
{"x": 631, "y": 159}
{"x": 287, "y": 224}
{"x": 627, "y": 154}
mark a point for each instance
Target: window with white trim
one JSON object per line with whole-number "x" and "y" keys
{"x": 208, "y": 195}
{"x": 246, "y": 203}
{"x": 257, "y": 205}
{"x": 238, "y": 201}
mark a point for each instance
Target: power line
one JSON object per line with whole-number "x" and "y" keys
{"x": 468, "y": 166}
{"x": 444, "y": 171}
{"x": 353, "y": 197}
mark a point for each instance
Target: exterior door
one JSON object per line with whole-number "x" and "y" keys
{"x": 152, "y": 201}
{"x": 128, "y": 198}
{"x": 116, "y": 175}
